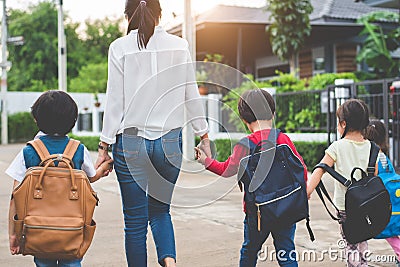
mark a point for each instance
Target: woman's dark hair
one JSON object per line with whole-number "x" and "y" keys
{"x": 55, "y": 112}
{"x": 256, "y": 105}
{"x": 356, "y": 115}
{"x": 376, "y": 131}
{"x": 142, "y": 15}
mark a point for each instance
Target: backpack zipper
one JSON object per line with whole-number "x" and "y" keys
{"x": 258, "y": 218}
{"x": 278, "y": 198}
{"x": 53, "y": 228}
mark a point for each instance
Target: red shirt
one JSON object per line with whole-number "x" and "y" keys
{"x": 231, "y": 165}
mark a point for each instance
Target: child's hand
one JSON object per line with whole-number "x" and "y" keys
{"x": 106, "y": 167}
{"x": 200, "y": 155}
{"x": 14, "y": 245}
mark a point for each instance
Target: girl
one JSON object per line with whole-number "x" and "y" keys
{"x": 150, "y": 83}
{"x": 350, "y": 151}
{"x": 377, "y": 132}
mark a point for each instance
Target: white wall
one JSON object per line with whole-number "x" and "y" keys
{"x": 22, "y": 101}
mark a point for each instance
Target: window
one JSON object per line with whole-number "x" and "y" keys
{"x": 318, "y": 56}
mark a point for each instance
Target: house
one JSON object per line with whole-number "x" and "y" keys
{"x": 239, "y": 34}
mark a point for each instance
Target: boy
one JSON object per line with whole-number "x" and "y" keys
{"x": 256, "y": 109}
{"x": 55, "y": 114}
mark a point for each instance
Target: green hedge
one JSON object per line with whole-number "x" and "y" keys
{"x": 312, "y": 152}
{"x": 90, "y": 142}
{"x": 21, "y": 127}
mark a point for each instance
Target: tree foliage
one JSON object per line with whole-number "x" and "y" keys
{"x": 35, "y": 64}
{"x": 290, "y": 26}
{"x": 379, "y": 43}
{"x": 91, "y": 78}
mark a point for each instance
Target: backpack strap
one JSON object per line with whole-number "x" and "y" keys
{"x": 334, "y": 174}
{"x": 70, "y": 150}
{"x": 373, "y": 155}
{"x": 321, "y": 191}
{"x": 40, "y": 149}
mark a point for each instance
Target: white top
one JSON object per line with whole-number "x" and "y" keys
{"x": 17, "y": 167}
{"x": 347, "y": 155}
{"x": 150, "y": 88}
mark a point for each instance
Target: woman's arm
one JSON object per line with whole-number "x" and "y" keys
{"x": 114, "y": 108}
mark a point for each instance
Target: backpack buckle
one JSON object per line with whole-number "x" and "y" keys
{"x": 59, "y": 157}
{"x": 371, "y": 170}
{"x": 347, "y": 183}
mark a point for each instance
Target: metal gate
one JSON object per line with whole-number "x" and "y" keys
{"x": 383, "y": 100}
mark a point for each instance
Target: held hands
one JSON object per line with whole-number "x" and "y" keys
{"x": 104, "y": 161}
{"x": 204, "y": 146}
{"x": 200, "y": 156}
{"x": 14, "y": 245}
{"x": 105, "y": 168}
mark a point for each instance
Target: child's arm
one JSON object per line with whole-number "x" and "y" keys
{"x": 316, "y": 176}
{"x": 227, "y": 168}
{"x": 103, "y": 170}
{"x": 14, "y": 246}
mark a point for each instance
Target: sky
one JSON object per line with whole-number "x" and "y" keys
{"x": 80, "y": 10}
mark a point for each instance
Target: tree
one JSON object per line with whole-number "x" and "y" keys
{"x": 92, "y": 78}
{"x": 98, "y": 36}
{"x": 290, "y": 27}
{"x": 34, "y": 63}
{"x": 379, "y": 43}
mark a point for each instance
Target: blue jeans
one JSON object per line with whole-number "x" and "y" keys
{"x": 57, "y": 263}
{"x": 253, "y": 241}
{"x": 147, "y": 171}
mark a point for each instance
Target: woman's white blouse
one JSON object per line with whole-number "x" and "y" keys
{"x": 150, "y": 88}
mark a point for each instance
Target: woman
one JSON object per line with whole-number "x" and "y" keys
{"x": 150, "y": 83}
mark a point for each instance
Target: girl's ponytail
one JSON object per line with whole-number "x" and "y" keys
{"x": 142, "y": 15}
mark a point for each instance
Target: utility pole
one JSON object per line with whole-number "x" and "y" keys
{"x": 189, "y": 33}
{"x": 5, "y": 64}
{"x": 62, "y": 50}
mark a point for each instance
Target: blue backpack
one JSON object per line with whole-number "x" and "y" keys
{"x": 391, "y": 180}
{"x": 273, "y": 179}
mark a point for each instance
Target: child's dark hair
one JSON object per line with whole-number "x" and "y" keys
{"x": 356, "y": 115}
{"x": 376, "y": 131}
{"x": 142, "y": 15}
{"x": 55, "y": 112}
{"x": 255, "y": 105}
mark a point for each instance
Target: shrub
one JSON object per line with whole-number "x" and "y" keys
{"x": 321, "y": 81}
{"x": 312, "y": 152}
{"x": 90, "y": 142}
{"x": 21, "y": 127}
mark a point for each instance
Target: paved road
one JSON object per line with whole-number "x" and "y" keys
{"x": 208, "y": 221}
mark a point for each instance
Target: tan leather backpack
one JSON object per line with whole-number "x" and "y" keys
{"x": 55, "y": 207}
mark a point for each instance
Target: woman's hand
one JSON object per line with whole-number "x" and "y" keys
{"x": 204, "y": 145}
{"x": 102, "y": 156}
